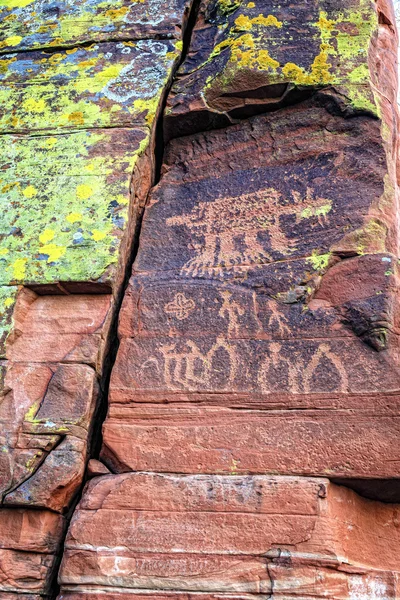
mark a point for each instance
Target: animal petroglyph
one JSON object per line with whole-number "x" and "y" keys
{"x": 226, "y": 230}
{"x": 180, "y": 307}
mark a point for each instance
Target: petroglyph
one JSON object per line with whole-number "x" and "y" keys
{"x": 180, "y": 307}
{"x": 231, "y": 310}
{"x": 296, "y": 373}
{"x": 226, "y": 225}
{"x": 277, "y": 319}
{"x": 190, "y": 368}
{"x": 277, "y": 361}
{"x": 325, "y": 351}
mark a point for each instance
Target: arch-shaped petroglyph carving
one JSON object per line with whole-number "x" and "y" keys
{"x": 277, "y": 361}
{"x": 224, "y": 225}
{"x": 190, "y": 368}
{"x": 325, "y": 351}
{"x": 297, "y": 373}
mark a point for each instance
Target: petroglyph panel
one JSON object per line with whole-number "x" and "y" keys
{"x": 228, "y": 316}
{"x": 279, "y": 193}
{"x": 223, "y": 365}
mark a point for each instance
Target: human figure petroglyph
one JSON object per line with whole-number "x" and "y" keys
{"x": 278, "y": 319}
{"x": 226, "y": 224}
{"x": 180, "y": 307}
{"x": 299, "y": 371}
{"x": 231, "y": 310}
{"x": 191, "y": 368}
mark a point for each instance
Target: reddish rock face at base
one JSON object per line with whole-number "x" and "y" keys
{"x": 239, "y": 535}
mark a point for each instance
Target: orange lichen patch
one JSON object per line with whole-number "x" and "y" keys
{"x": 76, "y": 118}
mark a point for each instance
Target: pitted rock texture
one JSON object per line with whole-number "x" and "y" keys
{"x": 258, "y": 336}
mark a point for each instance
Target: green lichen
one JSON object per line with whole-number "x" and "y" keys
{"x": 97, "y": 86}
{"x": 227, "y": 7}
{"x": 29, "y": 24}
{"x": 30, "y": 414}
{"x": 341, "y": 39}
{"x": 64, "y": 204}
{"x": 319, "y": 262}
{"x": 316, "y": 211}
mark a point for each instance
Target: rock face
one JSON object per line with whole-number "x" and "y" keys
{"x": 250, "y": 447}
{"x": 78, "y": 113}
{"x": 252, "y": 535}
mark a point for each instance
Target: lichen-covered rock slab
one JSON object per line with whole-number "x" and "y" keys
{"x": 248, "y": 57}
{"x": 65, "y": 204}
{"x": 29, "y": 24}
{"x": 101, "y": 85}
{"x": 236, "y": 535}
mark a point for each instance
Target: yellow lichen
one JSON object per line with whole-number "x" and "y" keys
{"x": 98, "y": 235}
{"x": 243, "y": 22}
{"x": 73, "y": 217}
{"x": 19, "y": 268}
{"x": 32, "y": 105}
{"x": 53, "y": 251}
{"x": 13, "y": 40}
{"x": 84, "y": 191}
{"x": 46, "y": 236}
{"x": 30, "y": 191}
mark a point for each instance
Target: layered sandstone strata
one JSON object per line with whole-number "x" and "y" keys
{"x": 258, "y": 363}
{"x": 274, "y": 536}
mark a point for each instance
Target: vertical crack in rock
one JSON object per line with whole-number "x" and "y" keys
{"x": 268, "y": 256}
{"x": 132, "y": 249}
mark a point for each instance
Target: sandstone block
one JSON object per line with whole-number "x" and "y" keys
{"x": 236, "y": 535}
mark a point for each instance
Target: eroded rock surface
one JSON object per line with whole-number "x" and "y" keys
{"x": 258, "y": 359}
{"x": 279, "y": 537}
